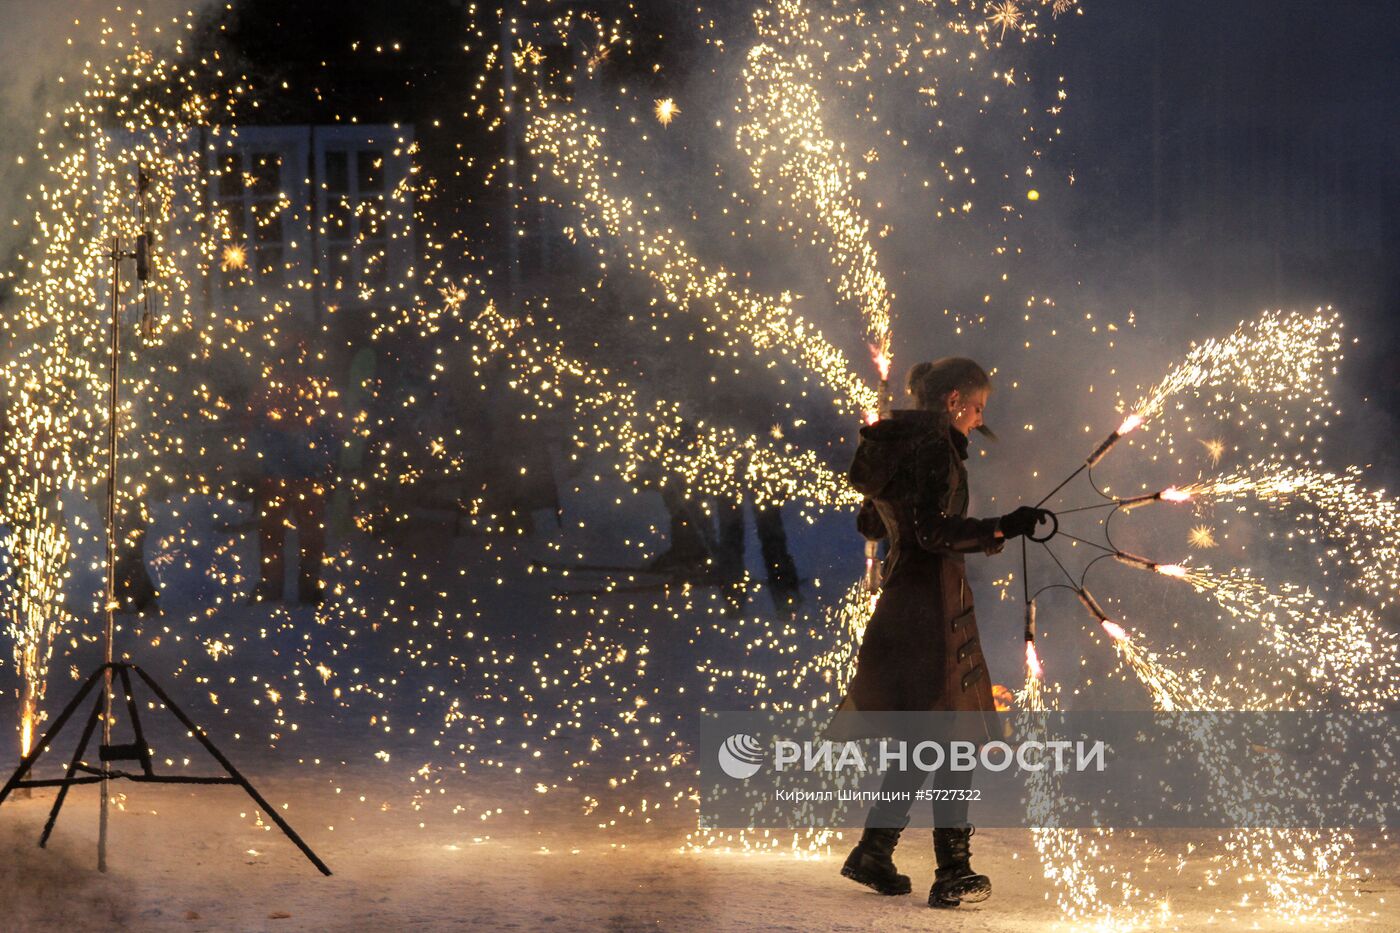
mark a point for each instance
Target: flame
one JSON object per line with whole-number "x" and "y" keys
{"x": 1033, "y": 666}
{"x": 1130, "y": 423}
{"x": 26, "y": 733}
{"x": 1171, "y": 570}
{"x": 1172, "y": 494}
{"x": 882, "y": 361}
{"x": 1114, "y": 630}
{"x": 872, "y": 416}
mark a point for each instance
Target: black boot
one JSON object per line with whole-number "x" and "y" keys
{"x": 871, "y": 862}
{"x": 954, "y": 881}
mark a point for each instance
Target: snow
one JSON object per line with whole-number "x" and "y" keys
{"x": 197, "y": 860}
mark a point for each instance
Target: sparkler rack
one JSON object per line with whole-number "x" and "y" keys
{"x": 136, "y": 750}
{"x": 1110, "y": 550}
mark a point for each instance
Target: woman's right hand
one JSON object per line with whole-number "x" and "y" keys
{"x": 1022, "y": 521}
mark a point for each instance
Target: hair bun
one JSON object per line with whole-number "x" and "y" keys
{"x": 930, "y": 383}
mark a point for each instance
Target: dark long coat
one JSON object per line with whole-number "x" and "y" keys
{"x": 921, "y": 649}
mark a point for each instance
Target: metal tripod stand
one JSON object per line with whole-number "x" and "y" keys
{"x": 137, "y": 750}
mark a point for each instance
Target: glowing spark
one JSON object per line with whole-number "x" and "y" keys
{"x": 665, "y": 110}
{"x": 793, "y": 156}
{"x": 1201, "y": 536}
{"x": 1007, "y": 15}
{"x": 528, "y": 54}
{"x": 572, "y": 150}
{"x": 706, "y": 461}
{"x": 1215, "y": 449}
{"x": 233, "y": 258}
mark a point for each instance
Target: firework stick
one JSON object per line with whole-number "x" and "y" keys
{"x": 872, "y": 548}
{"x": 1130, "y": 423}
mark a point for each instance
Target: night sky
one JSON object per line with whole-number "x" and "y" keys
{"x": 1239, "y": 155}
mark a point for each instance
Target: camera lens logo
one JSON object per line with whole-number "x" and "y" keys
{"x": 740, "y": 756}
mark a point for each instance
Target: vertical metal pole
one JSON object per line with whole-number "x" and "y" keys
{"x": 513, "y": 276}
{"x": 111, "y": 587}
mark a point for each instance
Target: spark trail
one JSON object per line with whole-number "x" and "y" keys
{"x": 1365, "y": 521}
{"x": 795, "y": 162}
{"x": 572, "y": 151}
{"x": 654, "y": 439}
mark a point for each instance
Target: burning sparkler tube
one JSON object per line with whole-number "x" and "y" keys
{"x": 881, "y": 358}
{"x": 1129, "y": 424}
{"x": 1132, "y": 560}
{"x": 1111, "y": 628}
{"x": 872, "y": 567}
{"x": 1092, "y": 605}
{"x": 882, "y": 410}
{"x": 1142, "y": 563}
{"x": 1170, "y": 494}
{"x": 1030, "y": 621}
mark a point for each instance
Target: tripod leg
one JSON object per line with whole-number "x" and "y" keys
{"x": 135, "y": 715}
{"x": 72, "y": 767}
{"x": 227, "y": 765}
{"x": 49, "y": 734}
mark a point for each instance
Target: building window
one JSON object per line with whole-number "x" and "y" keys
{"x": 250, "y": 194}
{"x": 259, "y": 196}
{"x": 314, "y": 217}
{"x": 355, "y": 228}
{"x": 364, "y": 224}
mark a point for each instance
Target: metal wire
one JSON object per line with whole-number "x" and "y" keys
{"x": 1068, "y": 575}
{"x": 1085, "y": 541}
{"x": 1088, "y": 508}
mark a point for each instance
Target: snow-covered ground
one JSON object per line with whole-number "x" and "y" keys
{"x": 184, "y": 860}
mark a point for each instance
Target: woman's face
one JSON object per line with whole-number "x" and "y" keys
{"x": 965, "y": 410}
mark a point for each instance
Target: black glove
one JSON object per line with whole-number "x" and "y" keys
{"x": 1022, "y": 521}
